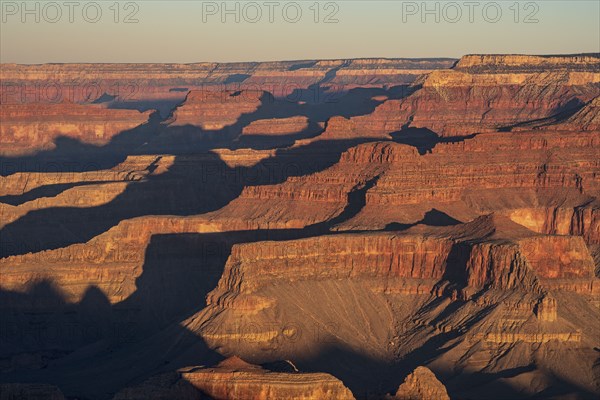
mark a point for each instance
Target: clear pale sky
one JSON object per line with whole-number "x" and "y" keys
{"x": 193, "y": 30}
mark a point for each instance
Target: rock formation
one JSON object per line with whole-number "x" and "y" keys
{"x": 27, "y": 128}
{"x": 136, "y": 83}
{"x": 584, "y": 119}
{"x": 234, "y": 379}
{"x": 421, "y": 384}
{"x": 485, "y": 95}
{"x": 357, "y": 218}
{"x": 216, "y": 110}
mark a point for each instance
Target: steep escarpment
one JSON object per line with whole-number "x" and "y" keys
{"x": 522, "y": 175}
{"x": 585, "y": 119}
{"x": 527, "y": 63}
{"x": 212, "y": 110}
{"x": 486, "y": 93}
{"x": 27, "y": 128}
{"x": 492, "y": 96}
{"x": 490, "y": 267}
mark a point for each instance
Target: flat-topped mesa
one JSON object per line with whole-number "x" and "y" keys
{"x": 495, "y": 62}
{"x": 456, "y": 103}
{"x": 490, "y": 252}
{"x": 210, "y": 72}
{"x": 215, "y": 110}
{"x": 379, "y": 152}
{"x": 505, "y": 255}
{"x": 380, "y": 256}
{"x": 276, "y": 126}
{"x": 480, "y": 94}
{"x": 270, "y": 291}
{"x": 381, "y": 73}
{"x": 27, "y": 128}
{"x": 234, "y": 379}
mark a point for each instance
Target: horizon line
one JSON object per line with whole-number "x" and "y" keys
{"x": 584, "y": 54}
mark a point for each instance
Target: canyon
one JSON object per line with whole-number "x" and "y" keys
{"x": 334, "y": 229}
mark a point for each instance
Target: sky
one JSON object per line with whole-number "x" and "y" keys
{"x": 62, "y": 31}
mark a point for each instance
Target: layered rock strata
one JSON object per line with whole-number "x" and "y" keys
{"x": 234, "y": 379}
{"x": 28, "y": 128}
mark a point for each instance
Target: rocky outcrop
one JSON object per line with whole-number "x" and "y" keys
{"x": 28, "y": 128}
{"x": 384, "y": 257}
{"x": 527, "y": 63}
{"x": 466, "y": 179}
{"x": 485, "y": 94}
{"x": 421, "y": 384}
{"x": 214, "y": 111}
{"x": 276, "y": 126}
{"x": 488, "y": 255}
{"x": 234, "y": 379}
{"x": 586, "y": 119}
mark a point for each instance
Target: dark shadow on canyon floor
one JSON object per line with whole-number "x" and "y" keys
{"x": 155, "y": 137}
{"x": 424, "y": 139}
{"x": 432, "y": 217}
